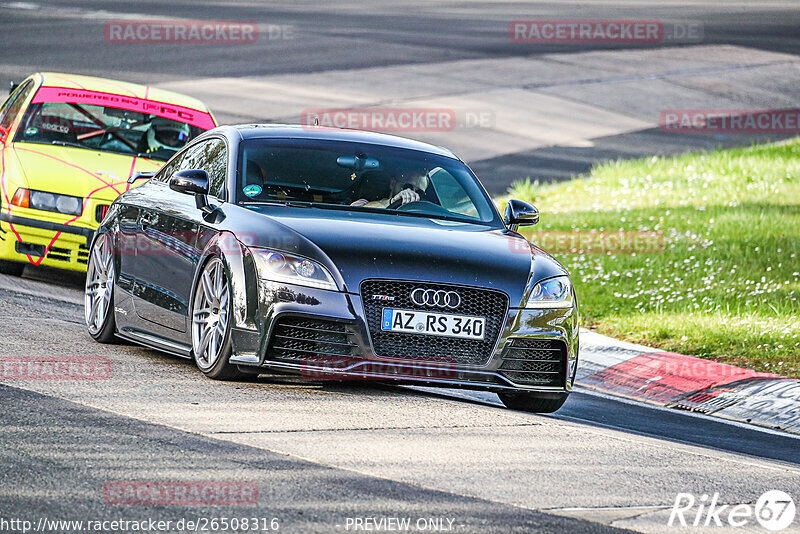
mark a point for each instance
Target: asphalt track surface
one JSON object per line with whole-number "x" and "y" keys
{"x": 68, "y": 36}
{"x": 321, "y": 453}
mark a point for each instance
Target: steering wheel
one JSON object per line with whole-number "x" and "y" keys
{"x": 399, "y": 202}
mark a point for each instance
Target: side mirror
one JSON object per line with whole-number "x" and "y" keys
{"x": 190, "y": 182}
{"x": 519, "y": 213}
{"x": 193, "y": 182}
{"x": 141, "y": 176}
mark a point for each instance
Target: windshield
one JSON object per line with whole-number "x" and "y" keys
{"x": 68, "y": 120}
{"x": 360, "y": 176}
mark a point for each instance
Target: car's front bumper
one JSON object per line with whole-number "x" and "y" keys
{"x": 252, "y": 342}
{"x": 44, "y": 243}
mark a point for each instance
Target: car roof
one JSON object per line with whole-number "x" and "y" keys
{"x": 293, "y": 131}
{"x": 117, "y": 87}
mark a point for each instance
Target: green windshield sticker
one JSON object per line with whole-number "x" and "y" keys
{"x": 31, "y": 131}
{"x": 252, "y": 190}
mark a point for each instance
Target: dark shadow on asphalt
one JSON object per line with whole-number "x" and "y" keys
{"x": 59, "y": 277}
{"x": 676, "y": 426}
{"x": 59, "y": 457}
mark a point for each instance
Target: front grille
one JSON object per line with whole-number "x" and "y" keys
{"x": 535, "y": 362}
{"x": 60, "y": 254}
{"x": 83, "y": 254}
{"x": 312, "y": 342}
{"x": 487, "y": 303}
{"x": 100, "y": 212}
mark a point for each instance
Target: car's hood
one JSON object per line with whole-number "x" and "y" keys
{"x": 364, "y": 246}
{"x": 78, "y": 172}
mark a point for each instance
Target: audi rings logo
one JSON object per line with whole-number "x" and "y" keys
{"x": 439, "y": 298}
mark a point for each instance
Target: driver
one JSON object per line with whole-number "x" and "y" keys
{"x": 166, "y": 134}
{"x": 405, "y": 188}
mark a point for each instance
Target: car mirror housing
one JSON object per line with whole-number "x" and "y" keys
{"x": 519, "y": 213}
{"x": 190, "y": 182}
{"x": 193, "y": 182}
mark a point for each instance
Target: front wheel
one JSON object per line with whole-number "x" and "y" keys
{"x": 211, "y": 329}
{"x": 531, "y": 402}
{"x": 99, "y": 295}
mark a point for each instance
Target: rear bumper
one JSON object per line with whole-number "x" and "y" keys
{"x": 553, "y": 327}
{"x": 31, "y": 242}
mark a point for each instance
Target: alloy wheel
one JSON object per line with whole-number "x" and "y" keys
{"x": 210, "y": 312}
{"x": 99, "y": 285}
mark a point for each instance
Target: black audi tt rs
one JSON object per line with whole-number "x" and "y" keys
{"x": 334, "y": 254}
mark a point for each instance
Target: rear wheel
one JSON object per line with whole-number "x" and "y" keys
{"x": 11, "y": 267}
{"x": 530, "y": 402}
{"x": 211, "y": 329}
{"x": 99, "y": 295}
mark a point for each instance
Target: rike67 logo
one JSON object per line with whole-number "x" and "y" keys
{"x": 774, "y": 511}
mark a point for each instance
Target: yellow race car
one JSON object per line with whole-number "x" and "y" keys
{"x": 69, "y": 146}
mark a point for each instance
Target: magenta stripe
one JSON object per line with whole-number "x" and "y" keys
{"x": 175, "y": 112}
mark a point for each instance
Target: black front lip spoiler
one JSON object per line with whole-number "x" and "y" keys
{"x": 88, "y": 233}
{"x": 461, "y": 377}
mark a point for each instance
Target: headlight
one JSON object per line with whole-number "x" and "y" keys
{"x": 41, "y": 200}
{"x": 551, "y": 293}
{"x": 284, "y": 267}
{"x": 66, "y": 204}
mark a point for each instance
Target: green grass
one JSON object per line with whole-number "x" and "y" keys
{"x": 726, "y": 282}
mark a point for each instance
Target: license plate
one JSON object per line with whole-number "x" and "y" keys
{"x": 433, "y": 324}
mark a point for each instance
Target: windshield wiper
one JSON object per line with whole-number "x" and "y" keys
{"x": 290, "y": 203}
{"x": 67, "y": 143}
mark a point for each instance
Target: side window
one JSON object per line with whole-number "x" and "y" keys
{"x": 452, "y": 195}
{"x": 212, "y": 157}
{"x": 13, "y": 105}
{"x": 170, "y": 168}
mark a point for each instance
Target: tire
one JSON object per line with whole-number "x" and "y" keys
{"x": 12, "y": 268}
{"x": 211, "y": 325}
{"x": 99, "y": 294}
{"x": 531, "y": 402}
